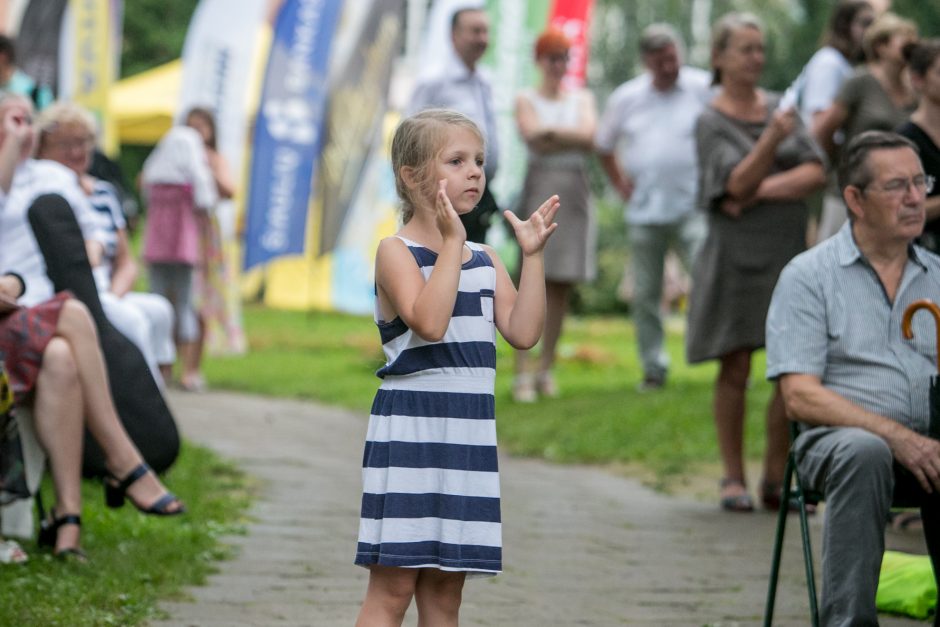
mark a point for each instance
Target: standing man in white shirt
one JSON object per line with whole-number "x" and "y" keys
{"x": 646, "y": 143}
{"x": 462, "y": 87}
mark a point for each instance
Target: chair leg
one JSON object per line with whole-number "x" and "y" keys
{"x": 807, "y": 552}
{"x": 778, "y": 542}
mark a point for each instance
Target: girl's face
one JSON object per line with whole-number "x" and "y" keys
{"x": 461, "y": 164}
{"x": 742, "y": 61}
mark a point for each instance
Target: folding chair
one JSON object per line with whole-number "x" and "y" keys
{"x": 793, "y": 492}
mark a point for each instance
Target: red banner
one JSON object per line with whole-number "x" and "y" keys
{"x": 572, "y": 17}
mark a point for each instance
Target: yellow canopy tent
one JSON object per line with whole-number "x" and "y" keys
{"x": 143, "y": 105}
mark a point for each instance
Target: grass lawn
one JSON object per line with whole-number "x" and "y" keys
{"x": 135, "y": 559}
{"x": 599, "y": 418}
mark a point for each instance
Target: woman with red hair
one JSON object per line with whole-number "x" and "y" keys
{"x": 557, "y": 124}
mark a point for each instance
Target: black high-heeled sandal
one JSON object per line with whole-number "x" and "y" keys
{"x": 49, "y": 534}
{"x": 115, "y": 492}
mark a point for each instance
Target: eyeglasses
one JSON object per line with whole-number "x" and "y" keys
{"x": 83, "y": 143}
{"x": 900, "y": 186}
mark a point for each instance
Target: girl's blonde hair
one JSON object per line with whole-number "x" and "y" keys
{"x": 724, "y": 28}
{"x": 417, "y": 142}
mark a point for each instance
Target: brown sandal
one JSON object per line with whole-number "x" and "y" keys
{"x": 770, "y": 493}
{"x": 736, "y": 502}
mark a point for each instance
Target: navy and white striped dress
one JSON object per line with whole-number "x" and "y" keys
{"x": 430, "y": 476}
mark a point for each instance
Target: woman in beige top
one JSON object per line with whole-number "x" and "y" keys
{"x": 557, "y": 124}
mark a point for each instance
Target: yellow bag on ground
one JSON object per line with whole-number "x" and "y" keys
{"x": 907, "y": 585}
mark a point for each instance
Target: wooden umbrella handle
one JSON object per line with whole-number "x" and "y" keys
{"x": 908, "y": 331}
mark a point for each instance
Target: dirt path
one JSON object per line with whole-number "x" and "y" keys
{"x": 582, "y": 546}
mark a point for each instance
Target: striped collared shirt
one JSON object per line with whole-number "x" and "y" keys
{"x": 830, "y": 317}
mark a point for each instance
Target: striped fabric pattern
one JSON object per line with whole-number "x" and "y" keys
{"x": 429, "y": 471}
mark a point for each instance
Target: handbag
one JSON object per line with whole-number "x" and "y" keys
{"x": 12, "y": 469}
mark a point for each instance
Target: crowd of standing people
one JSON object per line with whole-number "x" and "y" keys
{"x": 753, "y": 191}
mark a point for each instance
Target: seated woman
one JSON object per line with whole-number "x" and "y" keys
{"x": 47, "y": 226}
{"x": 54, "y": 364}
{"x": 66, "y": 135}
{"x": 53, "y": 354}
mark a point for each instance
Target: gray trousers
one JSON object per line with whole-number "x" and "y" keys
{"x": 856, "y": 472}
{"x": 649, "y": 244}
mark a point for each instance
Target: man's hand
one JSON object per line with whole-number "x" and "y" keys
{"x": 920, "y": 455}
{"x": 625, "y": 187}
{"x": 619, "y": 178}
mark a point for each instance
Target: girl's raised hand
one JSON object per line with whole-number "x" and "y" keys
{"x": 448, "y": 222}
{"x": 534, "y": 232}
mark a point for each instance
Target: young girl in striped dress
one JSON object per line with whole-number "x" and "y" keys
{"x": 430, "y": 504}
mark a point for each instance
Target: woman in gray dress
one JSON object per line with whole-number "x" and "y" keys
{"x": 756, "y": 166}
{"x": 557, "y": 123}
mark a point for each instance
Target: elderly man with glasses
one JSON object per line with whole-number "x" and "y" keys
{"x": 847, "y": 374}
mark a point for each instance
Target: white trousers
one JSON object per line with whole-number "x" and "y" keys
{"x": 147, "y": 321}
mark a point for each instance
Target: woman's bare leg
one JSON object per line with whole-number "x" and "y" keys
{"x": 121, "y": 456}
{"x": 57, "y": 414}
{"x": 191, "y": 353}
{"x": 388, "y": 596}
{"x": 730, "y": 391}
{"x": 557, "y": 296}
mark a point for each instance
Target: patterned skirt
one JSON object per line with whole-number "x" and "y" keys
{"x": 24, "y": 335}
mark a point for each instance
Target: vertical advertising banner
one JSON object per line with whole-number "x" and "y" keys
{"x": 218, "y": 56}
{"x": 573, "y": 17}
{"x": 354, "y": 205}
{"x": 358, "y": 97}
{"x": 289, "y": 130}
{"x": 92, "y": 70}
{"x": 37, "y": 44}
